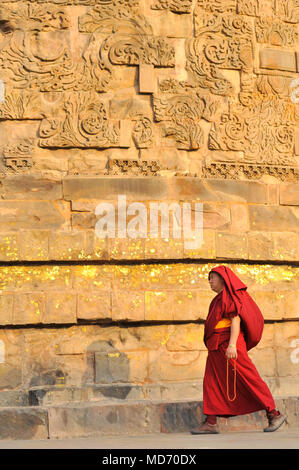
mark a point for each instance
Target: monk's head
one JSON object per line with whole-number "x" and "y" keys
{"x": 216, "y": 281}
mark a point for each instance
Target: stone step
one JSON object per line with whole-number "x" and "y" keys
{"x": 104, "y": 418}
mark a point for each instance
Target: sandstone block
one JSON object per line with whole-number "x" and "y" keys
{"x": 238, "y": 191}
{"x": 188, "y": 337}
{"x": 122, "y": 366}
{"x": 239, "y": 218}
{"x": 60, "y": 308}
{"x": 273, "y": 218}
{"x": 34, "y": 245}
{"x": 206, "y": 250}
{"x": 147, "y": 80}
{"x": 89, "y": 277}
{"x": 30, "y": 187}
{"x": 287, "y": 362}
{"x": 125, "y": 248}
{"x": 286, "y": 246}
{"x": 260, "y": 245}
{"x": 216, "y": 216}
{"x": 264, "y": 360}
{"x": 273, "y": 194}
{"x": 9, "y": 246}
{"x": 276, "y": 59}
{"x": 94, "y": 305}
{"x": 186, "y": 304}
{"x": 20, "y": 423}
{"x": 83, "y": 220}
{"x": 66, "y": 245}
{"x": 289, "y": 194}
{"x": 109, "y": 188}
{"x": 127, "y": 305}
{"x": 269, "y": 303}
{"x": 29, "y": 308}
{"x": 169, "y": 365}
{"x": 16, "y": 215}
{"x": 231, "y": 245}
{"x": 163, "y": 25}
{"x": 11, "y": 359}
{"x": 95, "y": 247}
{"x": 87, "y": 421}
{"x": 6, "y": 309}
{"x": 159, "y": 305}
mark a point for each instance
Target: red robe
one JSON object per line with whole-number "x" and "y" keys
{"x": 252, "y": 393}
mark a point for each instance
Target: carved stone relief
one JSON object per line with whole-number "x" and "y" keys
{"x": 223, "y": 41}
{"x": 181, "y": 110}
{"x": 61, "y": 63}
{"x": 176, "y": 6}
{"x": 264, "y": 132}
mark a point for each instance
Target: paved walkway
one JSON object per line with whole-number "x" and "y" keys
{"x": 281, "y": 439}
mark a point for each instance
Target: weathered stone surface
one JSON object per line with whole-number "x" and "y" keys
{"x": 9, "y": 246}
{"x": 61, "y": 307}
{"x": 28, "y": 423}
{"x": 30, "y": 187}
{"x": 34, "y": 245}
{"x": 286, "y": 246}
{"x": 231, "y": 245}
{"x": 110, "y": 188}
{"x": 128, "y": 367}
{"x": 16, "y": 215}
{"x": 260, "y": 245}
{"x": 11, "y": 360}
{"x": 127, "y": 305}
{"x": 147, "y": 81}
{"x": 289, "y": 194}
{"x": 166, "y": 365}
{"x": 98, "y": 420}
{"x": 29, "y": 308}
{"x": 94, "y": 305}
{"x": 278, "y": 59}
{"x": 273, "y": 218}
{"x": 66, "y": 245}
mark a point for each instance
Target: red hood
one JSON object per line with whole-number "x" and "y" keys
{"x": 234, "y": 297}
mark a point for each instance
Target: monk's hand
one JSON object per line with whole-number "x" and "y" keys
{"x": 231, "y": 352}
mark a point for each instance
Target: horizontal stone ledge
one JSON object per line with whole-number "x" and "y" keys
{"x": 264, "y": 242}
{"x": 24, "y": 187}
{"x": 140, "y": 417}
{"x": 163, "y": 188}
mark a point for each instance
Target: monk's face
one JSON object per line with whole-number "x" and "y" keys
{"x": 216, "y": 282}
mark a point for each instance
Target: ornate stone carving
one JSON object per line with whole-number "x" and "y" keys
{"x": 142, "y": 132}
{"x": 248, "y": 7}
{"x": 130, "y": 40}
{"x": 288, "y": 10}
{"x": 19, "y": 105}
{"x": 34, "y": 49}
{"x": 263, "y": 131}
{"x": 222, "y": 41}
{"x": 181, "y": 113}
{"x": 18, "y": 156}
{"x": 176, "y": 6}
{"x": 274, "y": 32}
{"x": 218, "y": 6}
{"x": 269, "y": 85}
{"x": 238, "y": 171}
{"x": 119, "y": 166}
{"x": 83, "y": 122}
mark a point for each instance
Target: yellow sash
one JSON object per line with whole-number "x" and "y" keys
{"x": 223, "y": 323}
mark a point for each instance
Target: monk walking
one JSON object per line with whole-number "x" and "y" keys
{"x": 232, "y": 385}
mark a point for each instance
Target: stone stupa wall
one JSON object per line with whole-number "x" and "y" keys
{"x": 162, "y": 101}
